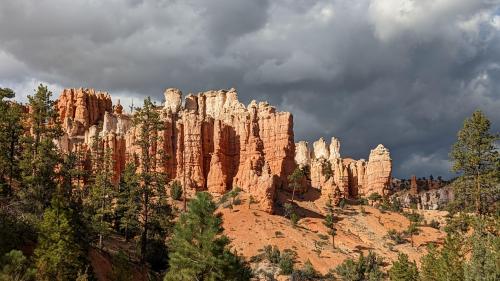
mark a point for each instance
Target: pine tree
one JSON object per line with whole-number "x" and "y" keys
{"x": 199, "y": 250}
{"x": 155, "y": 210}
{"x": 412, "y": 230}
{"x": 484, "y": 263}
{"x": 445, "y": 264}
{"x": 40, "y": 155}
{"x": 329, "y": 222}
{"x": 129, "y": 201}
{"x": 58, "y": 255}
{"x": 295, "y": 180}
{"x": 403, "y": 270}
{"x": 14, "y": 266}
{"x": 100, "y": 199}
{"x": 476, "y": 158}
{"x": 10, "y": 134}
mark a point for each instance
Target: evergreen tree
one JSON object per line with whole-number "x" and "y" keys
{"x": 14, "y": 266}
{"x": 329, "y": 221}
{"x": 129, "y": 201}
{"x": 403, "y": 270}
{"x": 295, "y": 180}
{"x": 484, "y": 263}
{"x": 10, "y": 134}
{"x": 58, "y": 255}
{"x": 445, "y": 264}
{"x": 199, "y": 250}
{"x": 101, "y": 197}
{"x": 40, "y": 154}
{"x": 476, "y": 158}
{"x": 365, "y": 268}
{"x": 155, "y": 210}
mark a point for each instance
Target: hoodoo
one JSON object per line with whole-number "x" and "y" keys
{"x": 212, "y": 141}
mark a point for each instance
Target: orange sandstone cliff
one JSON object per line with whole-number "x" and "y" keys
{"x": 212, "y": 141}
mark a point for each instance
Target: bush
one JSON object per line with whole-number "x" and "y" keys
{"x": 287, "y": 261}
{"x": 403, "y": 270}
{"x": 362, "y": 210}
{"x": 323, "y": 236}
{"x": 395, "y": 236}
{"x": 272, "y": 254}
{"x": 434, "y": 224}
{"x": 307, "y": 272}
{"x": 366, "y": 268}
{"x": 393, "y": 206}
{"x": 176, "y": 190}
{"x": 375, "y": 196}
{"x": 237, "y": 201}
{"x": 362, "y": 201}
{"x": 294, "y": 219}
{"x": 342, "y": 203}
{"x": 414, "y": 217}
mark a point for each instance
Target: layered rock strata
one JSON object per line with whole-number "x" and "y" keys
{"x": 211, "y": 140}
{"x": 344, "y": 177}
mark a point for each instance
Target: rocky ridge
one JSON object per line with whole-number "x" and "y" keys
{"x": 213, "y": 142}
{"x": 344, "y": 177}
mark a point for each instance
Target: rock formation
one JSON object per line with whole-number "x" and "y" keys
{"x": 213, "y": 142}
{"x": 345, "y": 177}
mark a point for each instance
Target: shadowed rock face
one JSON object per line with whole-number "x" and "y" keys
{"x": 213, "y": 142}
{"x": 344, "y": 177}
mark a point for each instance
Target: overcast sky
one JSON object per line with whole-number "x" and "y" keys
{"x": 404, "y": 73}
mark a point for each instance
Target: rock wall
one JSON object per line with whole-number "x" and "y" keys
{"x": 344, "y": 177}
{"x": 213, "y": 142}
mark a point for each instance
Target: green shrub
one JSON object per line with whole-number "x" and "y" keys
{"x": 434, "y": 224}
{"x": 365, "y": 268}
{"x": 414, "y": 217}
{"x": 307, "y": 272}
{"x": 396, "y": 236}
{"x": 294, "y": 219}
{"x": 176, "y": 190}
{"x": 362, "y": 210}
{"x": 286, "y": 262}
{"x": 375, "y": 196}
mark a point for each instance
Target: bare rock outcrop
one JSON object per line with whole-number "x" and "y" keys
{"x": 338, "y": 177}
{"x": 211, "y": 140}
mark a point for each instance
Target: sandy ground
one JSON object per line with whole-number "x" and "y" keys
{"x": 250, "y": 230}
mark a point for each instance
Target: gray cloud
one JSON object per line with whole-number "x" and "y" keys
{"x": 400, "y": 72}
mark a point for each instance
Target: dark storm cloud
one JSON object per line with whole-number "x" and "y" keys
{"x": 404, "y": 73}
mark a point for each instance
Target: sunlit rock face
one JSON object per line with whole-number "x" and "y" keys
{"x": 211, "y": 140}
{"x": 339, "y": 177}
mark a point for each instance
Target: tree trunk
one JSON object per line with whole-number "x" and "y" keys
{"x": 333, "y": 241}
{"x": 293, "y": 193}
{"x": 478, "y": 195}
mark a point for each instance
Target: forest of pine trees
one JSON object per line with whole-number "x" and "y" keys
{"x": 53, "y": 211}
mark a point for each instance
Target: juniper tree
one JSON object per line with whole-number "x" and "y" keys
{"x": 477, "y": 160}
{"x": 199, "y": 249}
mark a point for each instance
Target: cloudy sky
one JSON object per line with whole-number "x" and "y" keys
{"x": 404, "y": 73}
